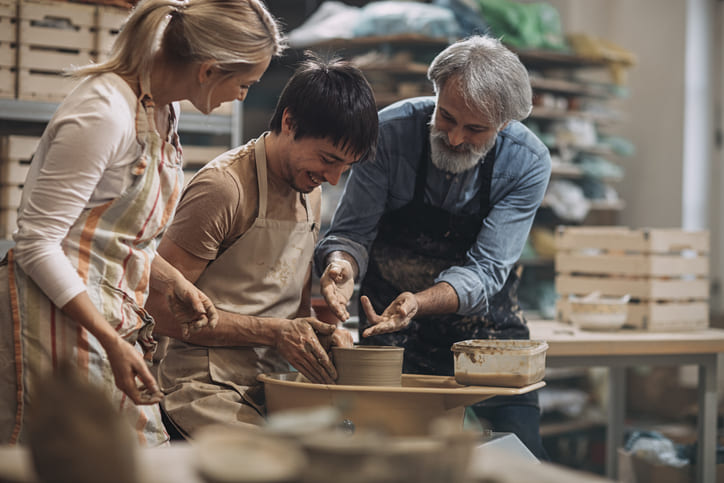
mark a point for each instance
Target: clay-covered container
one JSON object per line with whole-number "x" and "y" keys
{"x": 368, "y": 365}
{"x": 506, "y": 363}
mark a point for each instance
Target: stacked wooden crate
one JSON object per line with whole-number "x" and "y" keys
{"x": 52, "y": 37}
{"x": 8, "y": 48}
{"x": 665, "y": 272}
{"x": 15, "y": 155}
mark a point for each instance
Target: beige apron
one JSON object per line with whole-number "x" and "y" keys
{"x": 262, "y": 274}
{"x": 112, "y": 247}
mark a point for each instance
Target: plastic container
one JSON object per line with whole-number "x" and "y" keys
{"x": 505, "y": 363}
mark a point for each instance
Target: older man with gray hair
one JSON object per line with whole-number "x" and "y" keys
{"x": 434, "y": 225}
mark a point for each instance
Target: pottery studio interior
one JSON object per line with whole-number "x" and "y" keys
{"x": 575, "y": 335}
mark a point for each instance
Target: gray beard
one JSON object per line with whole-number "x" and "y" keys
{"x": 446, "y": 159}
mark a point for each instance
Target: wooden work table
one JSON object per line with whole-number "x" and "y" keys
{"x": 617, "y": 350}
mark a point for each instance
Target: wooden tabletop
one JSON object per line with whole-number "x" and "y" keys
{"x": 567, "y": 340}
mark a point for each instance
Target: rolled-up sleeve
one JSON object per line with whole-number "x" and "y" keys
{"x": 515, "y": 198}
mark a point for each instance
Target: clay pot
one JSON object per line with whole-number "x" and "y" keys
{"x": 368, "y": 365}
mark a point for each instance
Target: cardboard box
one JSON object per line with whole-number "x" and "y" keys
{"x": 634, "y": 469}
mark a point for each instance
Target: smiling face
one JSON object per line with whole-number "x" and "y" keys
{"x": 459, "y": 135}
{"x": 220, "y": 86}
{"x": 308, "y": 162}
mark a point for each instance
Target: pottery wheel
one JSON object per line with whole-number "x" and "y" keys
{"x": 402, "y": 411}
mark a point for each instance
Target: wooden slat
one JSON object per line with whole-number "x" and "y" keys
{"x": 8, "y": 8}
{"x": 110, "y": 17}
{"x": 29, "y": 34}
{"x": 14, "y": 172}
{"x": 8, "y": 54}
{"x": 10, "y": 196}
{"x": 662, "y": 317}
{"x": 18, "y": 148}
{"x": 75, "y": 14}
{"x": 8, "y": 29}
{"x": 655, "y": 316}
{"x": 45, "y": 87}
{"x": 634, "y": 264}
{"x": 675, "y": 289}
{"x": 624, "y": 239}
{"x": 8, "y": 79}
{"x": 33, "y": 57}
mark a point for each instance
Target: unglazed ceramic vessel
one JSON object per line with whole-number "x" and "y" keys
{"x": 368, "y": 365}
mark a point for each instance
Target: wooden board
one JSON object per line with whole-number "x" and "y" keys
{"x": 656, "y": 316}
{"x": 8, "y": 8}
{"x": 634, "y": 264}
{"x": 647, "y": 289}
{"x": 111, "y": 18}
{"x": 10, "y": 196}
{"x": 41, "y": 86}
{"x": 8, "y": 55}
{"x": 46, "y": 59}
{"x": 74, "y": 15}
{"x": 8, "y": 82}
{"x": 32, "y": 34}
{"x": 647, "y": 240}
{"x": 18, "y": 148}
{"x": 8, "y": 29}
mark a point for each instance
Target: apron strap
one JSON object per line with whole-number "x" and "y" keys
{"x": 260, "y": 155}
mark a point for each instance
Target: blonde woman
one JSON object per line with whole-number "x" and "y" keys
{"x": 102, "y": 187}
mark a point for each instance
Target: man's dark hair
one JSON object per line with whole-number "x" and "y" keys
{"x": 330, "y": 100}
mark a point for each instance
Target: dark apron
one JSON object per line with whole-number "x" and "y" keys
{"x": 414, "y": 244}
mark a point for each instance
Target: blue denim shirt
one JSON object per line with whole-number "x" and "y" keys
{"x": 520, "y": 177}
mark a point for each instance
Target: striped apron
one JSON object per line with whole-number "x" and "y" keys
{"x": 112, "y": 247}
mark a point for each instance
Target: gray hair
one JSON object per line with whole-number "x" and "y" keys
{"x": 234, "y": 33}
{"x": 492, "y": 79}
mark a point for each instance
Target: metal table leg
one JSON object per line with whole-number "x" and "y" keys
{"x": 615, "y": 417}
{"x": 706, "y": 457}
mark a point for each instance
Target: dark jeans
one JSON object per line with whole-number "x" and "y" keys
{"x": 514, "y": 414}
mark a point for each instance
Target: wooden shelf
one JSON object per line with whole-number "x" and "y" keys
{"x": 572, "y": 88}
{"x": 540, "y": 112}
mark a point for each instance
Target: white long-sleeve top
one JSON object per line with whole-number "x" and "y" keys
{"x": 84, "y": 159}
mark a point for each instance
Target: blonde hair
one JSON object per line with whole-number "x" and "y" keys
{"x": 234, "y": 33}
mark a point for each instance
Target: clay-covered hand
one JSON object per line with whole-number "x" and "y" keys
{"x": 298, "y": 341}
{"x": 337, "y": 287}
{"x": 396, "y": 316}
{"x": 131, "y": 373}
{"x": 191, "y": 307}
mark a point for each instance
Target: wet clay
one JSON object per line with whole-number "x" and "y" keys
{"x": 368, "y": 365}
{"x": 498, "y": 380}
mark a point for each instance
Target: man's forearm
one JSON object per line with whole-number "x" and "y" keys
{"x": 439, "y": 299}
{"x": 233, "y": 330}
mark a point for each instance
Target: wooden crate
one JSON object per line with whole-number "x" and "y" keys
{"x": 15, "y": 155}
{"x": 665, "y": 271}
{"x": 8, "y": 222}
{"x": 8, "y": 8}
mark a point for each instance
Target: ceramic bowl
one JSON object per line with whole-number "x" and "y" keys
{"x": 598, "y": 312}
